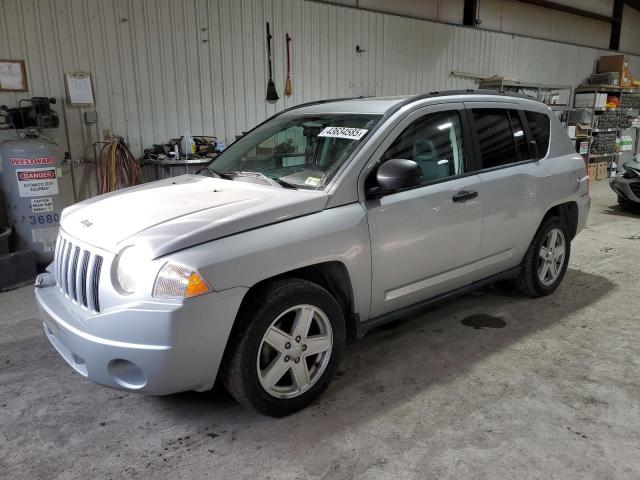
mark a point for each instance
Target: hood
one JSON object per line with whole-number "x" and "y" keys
{"x": 179, "y": 212}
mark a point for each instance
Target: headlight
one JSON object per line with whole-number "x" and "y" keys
{"x": 178, "y": 281}
{"x": 129, "y": 267}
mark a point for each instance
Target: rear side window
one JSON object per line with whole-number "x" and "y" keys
{"x": 495, "y": 137}
{"x": 539, "y": 126}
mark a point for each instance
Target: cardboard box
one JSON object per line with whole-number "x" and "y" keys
{"x": 615, "y": 63}
{"x": 593, "y": 171}
{"x": 612, "y": 63}
{"x": 602, "y": 171}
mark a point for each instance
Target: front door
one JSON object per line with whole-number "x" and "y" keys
{"x": 425, "y": 241}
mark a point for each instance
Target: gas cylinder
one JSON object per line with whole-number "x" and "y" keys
{"x": 30, "y": 175}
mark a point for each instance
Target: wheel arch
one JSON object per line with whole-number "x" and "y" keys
{"x": 333, "y": 276}
{"x": 568, "y": 211}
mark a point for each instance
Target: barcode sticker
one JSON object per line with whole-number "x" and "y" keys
{"x": 343, "y": 132}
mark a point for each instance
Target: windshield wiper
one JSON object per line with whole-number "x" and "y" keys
{"x": 210, "y": 172}
{"x": 245, "y": 173}
{"x": 284, "y": 183}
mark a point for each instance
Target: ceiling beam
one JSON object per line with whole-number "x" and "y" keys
{"x": 635, "y": 4}
{"x": 470, "y": 13}
{"x": 567, "y": 9}
{"x": 616, "y": 27}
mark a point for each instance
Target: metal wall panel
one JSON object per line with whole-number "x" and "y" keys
{"x": 162, "y": 66}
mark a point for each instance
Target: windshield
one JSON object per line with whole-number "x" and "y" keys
{"x": 294, "y": 151}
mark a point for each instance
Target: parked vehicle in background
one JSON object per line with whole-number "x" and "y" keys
{"x": 325, "y": 221}
{"x": 627, "y": 185}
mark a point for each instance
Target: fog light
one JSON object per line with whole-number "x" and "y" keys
{"x": 127, "y": 374}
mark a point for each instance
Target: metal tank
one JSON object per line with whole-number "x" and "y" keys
{"x": 30, "y": 175}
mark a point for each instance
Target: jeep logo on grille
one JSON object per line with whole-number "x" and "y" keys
{"x": 86, "y": 223}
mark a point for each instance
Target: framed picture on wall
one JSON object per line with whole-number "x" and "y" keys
{"x": 13, "y": 76}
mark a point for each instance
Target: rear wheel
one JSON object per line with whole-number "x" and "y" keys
{"x": 546, "y": 260}
{"x": 288, "y": 347}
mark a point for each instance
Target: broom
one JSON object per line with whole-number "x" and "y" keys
{"x": 287, "y": 83}
{"x": 272, "y": 94}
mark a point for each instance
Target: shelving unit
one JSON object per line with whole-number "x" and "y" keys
{"x": 538, "y": 91}
{"x": 596, "y": 160}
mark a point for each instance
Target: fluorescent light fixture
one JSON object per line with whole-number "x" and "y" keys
{"x": 444, "y": 126}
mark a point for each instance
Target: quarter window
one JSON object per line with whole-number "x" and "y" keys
{"x": 434, "y": 142}
{"x": 539, "y": 126}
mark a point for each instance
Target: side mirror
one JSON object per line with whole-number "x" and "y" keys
{"x": 396, "y": 174}
{"x": 533, "y": 150}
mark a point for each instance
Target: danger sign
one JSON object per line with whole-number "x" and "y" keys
{"x": 32, "y": 161}
{"x": 37, "y": 182}
{"x": 37, "y": 175}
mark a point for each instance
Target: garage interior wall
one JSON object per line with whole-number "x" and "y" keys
{"x": 161, "y": 67}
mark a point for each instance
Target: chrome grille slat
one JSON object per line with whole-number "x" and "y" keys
{"x": 73, "y": 271}
{"x": 59, "y": 260}
{"x": 56, "y": 257}
{"x": 77, "y": 272}
{"x": 65, "y": 268}
{"x": 97, "y": 268}
{"x": 90, "y": 271}
{"x": 82, "y": 277}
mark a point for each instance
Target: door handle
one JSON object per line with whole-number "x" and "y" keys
{"x": 464, "y": 195}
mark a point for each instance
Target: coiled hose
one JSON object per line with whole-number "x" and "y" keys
{"x": 117, "y": 167}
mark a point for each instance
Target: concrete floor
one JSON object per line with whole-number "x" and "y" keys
{"x": 553, "y": 394}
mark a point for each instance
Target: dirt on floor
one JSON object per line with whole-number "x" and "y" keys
{"x": 491, "y": 385}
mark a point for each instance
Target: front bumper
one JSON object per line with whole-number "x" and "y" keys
{"x": 628, "y": 189}
{"x": 152, "y": 347}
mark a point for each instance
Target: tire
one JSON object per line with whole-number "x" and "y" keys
{"x": 530, "y": 281}
{"x": 628, "y": 204}
{"x": 271, "y": 319}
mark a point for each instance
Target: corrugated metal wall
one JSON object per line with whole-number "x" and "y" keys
{"x": 162, "y": 66}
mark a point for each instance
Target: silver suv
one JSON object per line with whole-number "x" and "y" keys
{"x": 326, "y": 220}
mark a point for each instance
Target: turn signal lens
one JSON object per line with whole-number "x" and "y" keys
{"x": 196, "y": 286}
{"x": 178, "y": 281}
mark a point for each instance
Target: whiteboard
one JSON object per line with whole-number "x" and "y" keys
{"x": 79, "y": 88}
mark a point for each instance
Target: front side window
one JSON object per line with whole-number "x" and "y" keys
{"x": 435, "y": 143}
{"x": 295, "y": 150}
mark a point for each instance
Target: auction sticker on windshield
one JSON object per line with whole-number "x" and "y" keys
{"x": 343, "y": 132}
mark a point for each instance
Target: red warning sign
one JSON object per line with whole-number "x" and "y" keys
{"x": 36, "y": 175}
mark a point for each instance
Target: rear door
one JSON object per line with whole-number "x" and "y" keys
{"x": 425, "y": 241}
{"x": 509, "y": 189}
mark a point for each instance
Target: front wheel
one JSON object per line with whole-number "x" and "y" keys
{"x": 289, "y": 343}
{"x": 546, "y": 260}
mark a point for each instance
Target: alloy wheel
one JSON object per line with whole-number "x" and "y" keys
{"x": 294, "y": 351}
{"x": 551, "y": 257}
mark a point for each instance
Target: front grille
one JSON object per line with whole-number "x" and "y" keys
{"x": 635, "y": 188}
{"x": 77, "y": 273}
